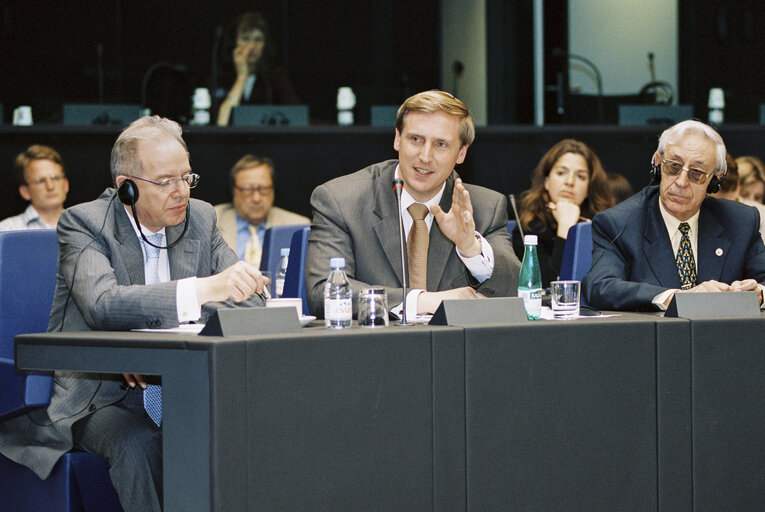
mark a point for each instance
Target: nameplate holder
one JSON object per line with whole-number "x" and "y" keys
{"x": 251, "y": 321}
{"x": 713, "y": 305}
{"x": 472, "y": 312}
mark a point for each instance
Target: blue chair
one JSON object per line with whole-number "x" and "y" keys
{"x": 79, "y": 481}
{"x": 276, "y": 238}
{"x": 577, "y": 254}
{"x": 294, "y": 281}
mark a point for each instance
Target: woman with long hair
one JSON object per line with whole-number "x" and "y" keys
{"x": 568, "y": 186}
{"x": 257, "y": 80}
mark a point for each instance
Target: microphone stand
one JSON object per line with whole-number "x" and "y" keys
{"x": 398, "y": 185}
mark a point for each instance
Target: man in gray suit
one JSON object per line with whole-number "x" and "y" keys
{"x": 355, "y": 216}
{"x": 107, "y": 280}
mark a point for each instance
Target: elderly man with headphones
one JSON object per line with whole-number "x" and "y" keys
{"x": 672, "y": 237}
{"x": 144, "y": 255}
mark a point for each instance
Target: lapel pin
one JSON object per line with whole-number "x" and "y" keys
{"x": 718, "y": 251}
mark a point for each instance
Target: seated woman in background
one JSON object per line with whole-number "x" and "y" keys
{"x": 257, "y": 81}
{"x": 751, "y": 177}
{"x": 569, "y": 185}
{"x": 621, "y": 189}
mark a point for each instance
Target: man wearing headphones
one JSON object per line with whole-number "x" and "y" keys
{"x": 145, "y": 255}
{"x": 672, "y": 238}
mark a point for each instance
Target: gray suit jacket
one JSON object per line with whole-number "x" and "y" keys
{"x": 276, "y": 217}
{"x": 355, "y": 217}
{"x": 101, "y": 256}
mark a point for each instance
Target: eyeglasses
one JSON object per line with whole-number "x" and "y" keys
{"x": 261, "y": 189}
{"x": 191, "y": 179}
{"x": 40, "y": 182}
{"x": 672, "y": 168}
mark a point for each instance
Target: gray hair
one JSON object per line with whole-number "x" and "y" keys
{"x": 674, "y": 133}
{"x": 124, "y": 159}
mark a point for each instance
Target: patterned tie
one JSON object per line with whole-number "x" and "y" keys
{"x": 417, "y": 247}
{"x": 253, "y": 249}
{"x": 686, "y": 266}
{"x": 152, "y": 395}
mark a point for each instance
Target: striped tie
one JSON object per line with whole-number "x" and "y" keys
{"x": 686, "y": 266}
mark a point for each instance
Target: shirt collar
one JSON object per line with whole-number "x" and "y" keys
{"x": 673, "y": 224}
{"x": 243, "y": 225}
{"x": 146, "y": 230}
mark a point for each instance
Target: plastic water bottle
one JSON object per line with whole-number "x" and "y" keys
{"x": 338, "y": 297}
{"x": 201, "y": 103}
{"x": 281, "y": 273}
{"x": 530, "y": 280}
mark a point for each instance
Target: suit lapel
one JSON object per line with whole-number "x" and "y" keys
{"x": 129, "y": 248}
{"x": 658, "y": 248}
{"x": 710, "y": 242}
{"x": 440, "y": 248}
{"x": 386, "y": 226}
{"x": 184, "y": 257}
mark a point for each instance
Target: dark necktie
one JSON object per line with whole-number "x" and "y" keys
{"x": 686, "y": 266}
{"x": 417, "y": 247}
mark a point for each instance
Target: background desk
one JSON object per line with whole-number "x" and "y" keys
{"x": 501, "y": 158}
{"x": 631, "y": 413}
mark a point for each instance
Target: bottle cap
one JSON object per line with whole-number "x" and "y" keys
{"x": 530, "y": 240}
{"x": 285, "y": 251}
{"x": 337, "y": 263}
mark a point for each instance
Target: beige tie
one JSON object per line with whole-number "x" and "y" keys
{"x": 417, "y": 247}
{"x": 253, "y": 250}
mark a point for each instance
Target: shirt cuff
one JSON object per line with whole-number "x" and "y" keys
{"x": 186, "y": 302}
{"x": 411, "y": 306}
{"x": 481, "y": 266}
{"x": 659, "y": 299}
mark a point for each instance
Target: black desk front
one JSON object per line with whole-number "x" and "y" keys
{"x": 626, "y": 413}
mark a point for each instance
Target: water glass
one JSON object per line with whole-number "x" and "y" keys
{"x": 373, "y": 307}
{"x": 565, "y": 299}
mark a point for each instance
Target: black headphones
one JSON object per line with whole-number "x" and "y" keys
{"x": 712, "y": 188}
{"x": 128, "y": 194}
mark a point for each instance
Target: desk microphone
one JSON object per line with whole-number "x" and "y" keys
{"x": 398, "y": 186}
{"x": 511, "y": 197}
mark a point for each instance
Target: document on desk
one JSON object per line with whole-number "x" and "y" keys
{"x": 547, "y": 314}
{"x": 181, "y": 329}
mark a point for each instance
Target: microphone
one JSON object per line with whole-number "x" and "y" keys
{"x": 558, "y": 52}
{"x": 178, "y": 68}
{"x": 214, "y": 67}
{"x": 398, "y": 186}
{"x": 515, "y": 212}
{"x": 651, "y": 68}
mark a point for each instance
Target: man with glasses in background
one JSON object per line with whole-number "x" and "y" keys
{"x": 673, "y": 238}
{"x": 42, "y": 181}
{"x": 145, "y": 255}
{"x": 243, "y": 222}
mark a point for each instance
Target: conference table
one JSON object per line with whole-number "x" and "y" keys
{"x": 630, "y": 412}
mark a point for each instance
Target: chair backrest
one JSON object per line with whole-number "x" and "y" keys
{"x": 577, "y": 253}
{"x": 28, "y": 262}
{"x": 276, "y": 238}
{"x": 294, "y": 281}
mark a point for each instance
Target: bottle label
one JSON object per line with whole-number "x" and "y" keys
{"x": 279, "y": 287}
{"x": 338, "y": 309}
{"x": 532, "y": 301}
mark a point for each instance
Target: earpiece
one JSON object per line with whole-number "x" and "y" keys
{"x": 128, "y": 192}
{"x": 655, "y": 175}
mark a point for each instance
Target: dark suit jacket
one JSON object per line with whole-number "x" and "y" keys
{"x": 100, "y": 254}
{"x": 355, "y": 217}
{"x": 632, "y": 258}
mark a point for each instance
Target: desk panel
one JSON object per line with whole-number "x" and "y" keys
{"x": 562, "y": 416}
{"x": 728, "y": 365}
